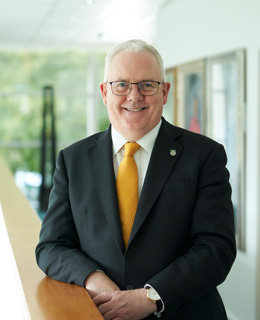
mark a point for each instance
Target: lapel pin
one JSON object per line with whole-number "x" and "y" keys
{"x": 173, "y": 152}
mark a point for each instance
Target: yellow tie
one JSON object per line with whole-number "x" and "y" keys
{"x": 127, "y": 189}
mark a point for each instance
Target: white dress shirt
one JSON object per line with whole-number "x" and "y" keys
{"x": 142, "y": 156}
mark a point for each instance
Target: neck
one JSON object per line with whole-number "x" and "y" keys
{"x": 133, "y": 136}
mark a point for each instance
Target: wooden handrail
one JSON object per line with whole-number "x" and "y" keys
{"x": 46, "y": 299}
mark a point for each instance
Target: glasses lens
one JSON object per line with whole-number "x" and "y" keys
{"x": 121, "y": 87}
{"x": 148, "y": 87}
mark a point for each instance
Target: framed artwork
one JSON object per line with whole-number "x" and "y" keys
{"x": 169, "y": 109}
{"x": 225, "y": 99}
{"x": 190, "y": 96}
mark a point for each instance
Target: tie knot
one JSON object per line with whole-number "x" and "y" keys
{"x": 131, "y": 148}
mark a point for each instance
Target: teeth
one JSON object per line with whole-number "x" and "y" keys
{"x": 135, "y": 110}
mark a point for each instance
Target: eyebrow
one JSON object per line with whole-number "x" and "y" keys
{"x": 145, "y": 80}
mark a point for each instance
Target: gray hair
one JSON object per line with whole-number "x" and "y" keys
{"x": 135, "y": 45}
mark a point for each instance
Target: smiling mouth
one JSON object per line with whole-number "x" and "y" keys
{"x": 135, "y": 110}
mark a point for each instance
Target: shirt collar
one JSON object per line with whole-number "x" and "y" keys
{"x": 146, "y": 142}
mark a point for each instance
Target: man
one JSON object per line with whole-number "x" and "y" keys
{"x": 181, "y": 244}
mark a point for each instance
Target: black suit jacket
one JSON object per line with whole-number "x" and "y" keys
{"x": 182, "y": 242}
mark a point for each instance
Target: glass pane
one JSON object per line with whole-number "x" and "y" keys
{"x": 225, "y": 118}
{"x": 193, "y": 87}
{"x": 22, "y": 78}
{"x": 168, "y": 108}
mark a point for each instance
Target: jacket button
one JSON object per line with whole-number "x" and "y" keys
{"x": 129, "y": 287}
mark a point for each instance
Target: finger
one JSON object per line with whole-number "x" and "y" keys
{"x": 102, "y": 298}
{"x": 110, "y": 315}
{"x": 105, "y": 308}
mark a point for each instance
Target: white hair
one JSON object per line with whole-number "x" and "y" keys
{"x": 135, "y": 45}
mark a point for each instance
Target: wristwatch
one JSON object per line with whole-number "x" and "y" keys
{"x": 153, "y": 296}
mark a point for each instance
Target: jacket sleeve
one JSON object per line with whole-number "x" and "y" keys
{"x": 212, "y": 249}
{"x": 58, "y": 252}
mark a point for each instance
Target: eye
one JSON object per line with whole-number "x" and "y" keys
{"x": 147, "y": 84}
{"x": 122, "y": 84}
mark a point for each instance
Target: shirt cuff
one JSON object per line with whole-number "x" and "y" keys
{"x": 157, "y": 313}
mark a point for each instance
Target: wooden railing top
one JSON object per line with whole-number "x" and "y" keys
{"x": 46, "y": 299}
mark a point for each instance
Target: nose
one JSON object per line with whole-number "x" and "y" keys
{"x": 134, "y": 95}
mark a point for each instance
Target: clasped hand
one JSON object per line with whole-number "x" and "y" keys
{"x": 115, "y": 304}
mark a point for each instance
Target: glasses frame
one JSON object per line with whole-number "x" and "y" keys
{"x": 137, "y": 83}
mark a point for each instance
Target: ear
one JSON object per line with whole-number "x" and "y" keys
{"x": 165, "y": 90}
{"x": 103, "y": 89}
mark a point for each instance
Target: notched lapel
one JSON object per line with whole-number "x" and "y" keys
{"x": 102, "y": 163}
{"x": 165, "y": 155}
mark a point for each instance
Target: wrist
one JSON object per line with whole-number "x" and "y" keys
{"x": 90, "y": 276}
{"x": 149, "y": 305}
{"x": 155, "y": 298}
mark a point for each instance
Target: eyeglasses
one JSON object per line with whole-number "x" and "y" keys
{"x": 123, "y": 88}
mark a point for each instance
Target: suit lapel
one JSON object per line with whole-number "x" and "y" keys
{"x": 102, "y": 162}
{"x": 165, "y": 154}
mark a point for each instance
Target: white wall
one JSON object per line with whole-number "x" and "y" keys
{"x": 193, "y": 29}
{"x": 13, "y": 303}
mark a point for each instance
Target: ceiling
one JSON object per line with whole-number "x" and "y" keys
{"x": 75, "y": 24}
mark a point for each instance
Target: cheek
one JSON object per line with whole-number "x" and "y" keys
{"x": 157, "y": 103}
{"x": 115, "y": 103}
{"x": 113, "y": 108}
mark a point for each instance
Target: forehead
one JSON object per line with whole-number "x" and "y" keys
{"x": 134, "y": 66}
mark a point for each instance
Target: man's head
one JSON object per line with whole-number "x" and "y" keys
{"x": 135, "y": 46}
{"x": 134, "y": 112}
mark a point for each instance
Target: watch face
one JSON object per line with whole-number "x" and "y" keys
{"x": 153, "y": 294}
